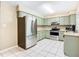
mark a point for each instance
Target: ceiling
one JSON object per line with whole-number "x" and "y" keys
{"x": 46, "y": 8}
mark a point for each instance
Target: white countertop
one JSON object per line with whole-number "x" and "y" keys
{"x": 42, "y": 29}
{"x": 70, "y": 33}
{"x": 63, "y": 30}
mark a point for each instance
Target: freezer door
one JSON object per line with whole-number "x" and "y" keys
{"x": 31, "y": 41}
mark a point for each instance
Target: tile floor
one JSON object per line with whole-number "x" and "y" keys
{"x": 44, "y": 48}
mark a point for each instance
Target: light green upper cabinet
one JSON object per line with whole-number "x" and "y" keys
{"x": 64, "y": 20}
{"x": 61, "y": 20}
{"x": 72, "y": 19}
{"x": 40, "y": 21}
{"x": 55, "y": 19}
{"x": 45, "y": 21}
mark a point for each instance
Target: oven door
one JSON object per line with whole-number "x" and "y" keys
{"x": 55, "y": 33}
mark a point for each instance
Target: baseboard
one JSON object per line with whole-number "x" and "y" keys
{"x": 3, "y": 50}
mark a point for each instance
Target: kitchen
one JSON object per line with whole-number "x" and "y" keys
{"x": 53, "y": 21}
{"x": 65, "y": 23}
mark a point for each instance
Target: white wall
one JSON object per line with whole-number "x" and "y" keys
{"x": 8, "y": 26}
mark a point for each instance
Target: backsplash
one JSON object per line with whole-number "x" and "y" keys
{"x": 49, "y": 27}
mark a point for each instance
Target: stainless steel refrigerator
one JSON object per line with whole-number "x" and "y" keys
{"x": 27, "y": 30}
{"x": 31, "y": 31}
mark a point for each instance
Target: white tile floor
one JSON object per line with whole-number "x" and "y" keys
{"x": 44, "y": 48}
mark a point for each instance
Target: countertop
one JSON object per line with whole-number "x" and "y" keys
{"x": 63, "y": 30}
{"x": 70, "y": 33}
{"x": 40, "y": 29}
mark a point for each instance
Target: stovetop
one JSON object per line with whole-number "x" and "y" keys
{"x": 55, "y": 29}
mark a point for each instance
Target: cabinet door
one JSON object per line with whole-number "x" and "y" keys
{"x": 47, "y": 34}
{"x": 71, "y": 45}
{"x": 73, "y": 19}
{"x": 41, "y": 34}
{"x": 40, "y": 21}
{"x": 61, "y": 34}
{"x": 62, "y": 20}
{"x": 44, "y": 34}
{"x": 38, "y": 36}
{"x": 66, "y": 20}
{"x": 55, "y": 19}
{"x": 46, "y": 22}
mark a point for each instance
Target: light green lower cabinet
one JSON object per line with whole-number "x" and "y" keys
{"x": 71, "y": 46}
{"x": 61, "y": 34}
{"x": 47, "y": 34}
{"x": 40, "y": 35}
{"x": 43, "y": 34}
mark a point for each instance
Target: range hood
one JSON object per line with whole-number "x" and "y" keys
{"x": 54, "y": 23}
